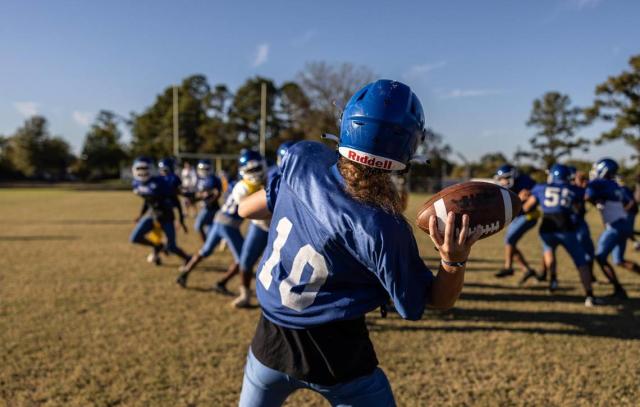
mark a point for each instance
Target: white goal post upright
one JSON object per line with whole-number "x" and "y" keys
{"x": 217, "y": 158}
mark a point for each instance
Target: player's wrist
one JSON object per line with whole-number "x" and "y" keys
{"x": 453, "y": 263}
{"x": 452, "y": 268}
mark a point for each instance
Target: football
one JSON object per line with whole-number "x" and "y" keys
{"x": 489, "y": 206}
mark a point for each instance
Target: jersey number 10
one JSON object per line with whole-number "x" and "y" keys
{"x": 306, "y": 255}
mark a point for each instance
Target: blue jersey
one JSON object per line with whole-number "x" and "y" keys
{"x": 608, "y": 197}
{"x": 330, "y": 257}
{"x": 209, "y": 183}
{"x": 173, "y": 180}
{"x": 627, "y": 199}
{"x": 158, "y": 195}
{"x": 559, "y": 202}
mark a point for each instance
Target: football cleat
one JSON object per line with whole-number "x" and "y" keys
{"x": 244, "y": 299}
{"x": 593, "y": 301}
{"x": 527, "y": 275}
{"x": 221, "y": 289}
{"x": 182, "y": 279}
{"x": 542, "y": 276}
{"x": 619, "y": 294}
{"x": 504, "y": 273}
{"x": 154, "y": 258}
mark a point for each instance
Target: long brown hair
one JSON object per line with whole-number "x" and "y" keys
{"x": 370, "y": 186}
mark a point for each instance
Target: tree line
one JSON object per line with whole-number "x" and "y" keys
{"x": 214, "y": 119}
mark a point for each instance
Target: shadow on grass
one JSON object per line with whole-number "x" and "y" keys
{"x": 37, "y": 238}
{"x": 518, "y": 297}
{"x": 623, "y": 325}
{"x": 540, "y": 287}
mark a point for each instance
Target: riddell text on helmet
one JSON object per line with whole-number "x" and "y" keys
{"x": 370, "y": 161}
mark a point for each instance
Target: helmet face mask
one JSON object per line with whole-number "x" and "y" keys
{"x": 506, "y": 175}
{"x": 253, "y": 171}
{"x": 141, "y": 170}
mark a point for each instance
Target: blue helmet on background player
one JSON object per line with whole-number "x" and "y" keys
{"x": 382, "y": 126}
{"x": 558, "y": 174}
{"x": 282, "y": 150}
{"x": 506, "y": 172}
{"x": 251, "y": 166}
{"x": 204, "y": 168}
{"x": 605, "y": 168}
{"x": 141, "y": 169}
{"x": 166, "y": 166}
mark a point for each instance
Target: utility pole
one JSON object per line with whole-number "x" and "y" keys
{"x": 263, "y": 119}
{"x": 176, "y": 125}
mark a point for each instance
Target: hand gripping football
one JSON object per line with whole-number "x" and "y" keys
{"x": 489, "y": 207}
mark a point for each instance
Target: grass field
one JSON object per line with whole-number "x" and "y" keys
{"x": 84, "y": 320}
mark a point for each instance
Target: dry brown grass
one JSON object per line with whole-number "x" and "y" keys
{"x": 84, "y": 320}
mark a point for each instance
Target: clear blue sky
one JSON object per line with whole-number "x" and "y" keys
{"x": 476, "y": 65}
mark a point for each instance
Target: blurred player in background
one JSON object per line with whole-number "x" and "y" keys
{"x": 166, "y": 168}
{"x": 607, "y": 196}
{"x": 631, "y": 207}
{"x": 338, "y": 246}
{"x": 208, "y": 190}
{"x": 508, "y": 176}
{"x": 580, "y": 179}
{"x": 559, "y": 201}
{"x": 227, "y": 222}
{"x": 160, "y": 200}
{"x": 189, "y": 179}
{"x": 253, "y": 170}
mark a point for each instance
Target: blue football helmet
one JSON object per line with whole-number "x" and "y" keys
{"x": 166, "y": 166}
{"x": 558, "y": 174}
{"x": 204, "y": 168}
{"x": 282, "y": 150}
{"x": 506, "y": 175}
{"x": 605, "y": 168}
{"x": 141, "y": 169}
{"x": 251, "y": 166}
{"x": 382, "y": 126}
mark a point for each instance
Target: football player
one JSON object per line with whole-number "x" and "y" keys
{"x": 160, "y": 201}
{"x": 559, "y": 201}
{"x": 631, "y": 207}
{"x": 166, "y": 168}
{"x": 252, "y": 170}
{"x": 580, "y": 179}
{"x": 208, "y": 189}
{"x": 508, "y": 176}
{"x": 607, "y": 196}
{"x": 338, "y": 246}
{"x": 227, "y": 222}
